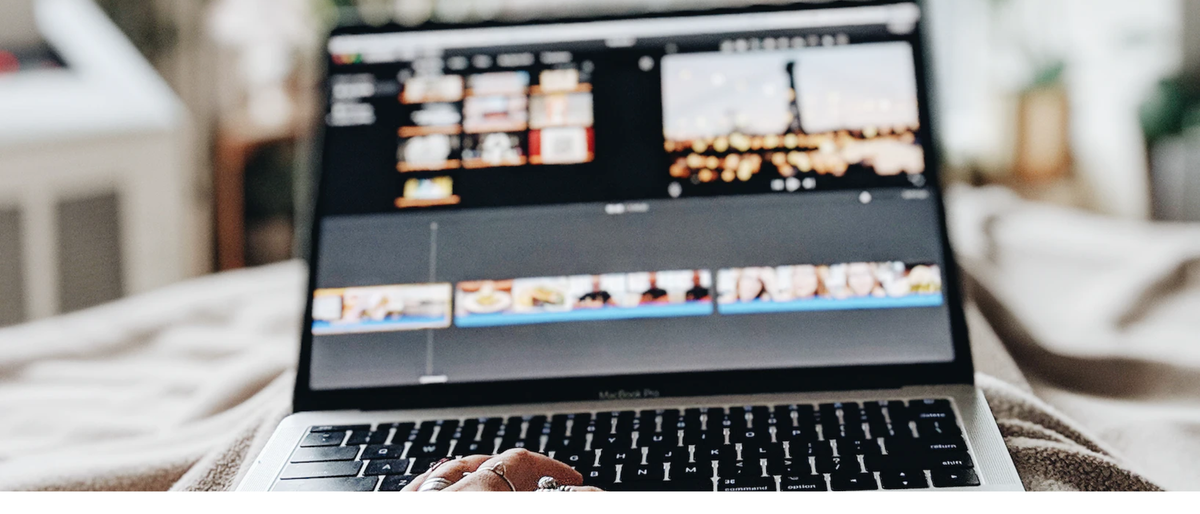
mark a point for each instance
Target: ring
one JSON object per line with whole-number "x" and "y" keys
{"x": 434, "y": 484}
{"x": 550, "y": 484}
{"x": 499, "y": 469}
{"x": 439, "y": 463}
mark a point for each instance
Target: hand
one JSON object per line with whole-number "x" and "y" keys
{"x": 521, "y": 467}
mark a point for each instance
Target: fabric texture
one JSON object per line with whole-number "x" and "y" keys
{"x": 1101, "y": 315}
{"x": 180, "y": 388}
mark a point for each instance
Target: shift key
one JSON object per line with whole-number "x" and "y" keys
{"x": 941, "y": 460}
{"x": 321, "y": 469}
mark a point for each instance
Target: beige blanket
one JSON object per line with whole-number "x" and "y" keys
{"x": 179, "y": 388}
{"x": 1103, "y": 317}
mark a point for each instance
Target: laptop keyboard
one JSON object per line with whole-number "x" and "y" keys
{"x": 806, "y": 447}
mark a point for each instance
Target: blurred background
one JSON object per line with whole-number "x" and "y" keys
{"x": 143, "y": 142}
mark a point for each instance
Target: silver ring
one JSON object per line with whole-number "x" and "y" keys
{"x": 500, "y": 470}
{"x": 434, "y": 484}
{"x": 550, "y": 484}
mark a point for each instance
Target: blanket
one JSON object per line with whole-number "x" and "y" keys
{"x": 179, "y": 389}
{"x": 1100, "y": 315}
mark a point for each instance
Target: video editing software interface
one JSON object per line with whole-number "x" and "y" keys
{"x": 697, "y": 193}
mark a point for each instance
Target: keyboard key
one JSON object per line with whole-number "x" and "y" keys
{"x": 427, "y": 450}
{"x": 327, "y": 484}
{"x": 672, "y": 485}
{"x": 338, "y": 428}
{"x": 321, "y": 469}
{"x": 396, "y": 482}
{"x": 898, "y": 412}
{"x": 387, "y": 467}
{"x": 744, "y": 483}
{"x": 658, "y": 440}
{"x": 751, "y": 468}
{"x": 691, "y": 470}
{"x": 909, "y": 479}
{"x": 614, "y": 441}
{"x": 405, "y": 432}
{"x": 422, "y": 464}
{"x": 797, "y": 433}
{"x": 323, "y": 439}
{"x": 842, "y": 465}
{"x": 380, "y": 451}
{"x": 652, "y": 473}
{"x": 892, "y": 431}
{"x": 446, "y": 430}
{"x": 703, "y": 438}
{"x": 934, "y": 415}
{"x": 803, "y": 483}
{"x": 852, "y": 482}
{"x": 574, "y": 459}
{"x": 599, "y": 476}
{"x": 508, "y": 444}
{"x": 938, "y": 428}
{"x": 810, "y": 449}
{"x": 949, "y": 460}
{"x": 918, "y": 406}
{"x": 750, "y": 435}
{"x": 491, "y": 427}
{"x": 324, "y": 453}
{"x": 398, "y": 425}
{"x": 891, "y": 462}
{"x": 788, "y": 467}
{"x": 716, "y": 452}
{"x": 665, "y": 454}
{"x": 762, "y": 451}
{"x": 760, "y": 414}
{"x": 954, "y": 478}
{"x": 570, "y": 444}
{"x": 425, "y": 432}
{"x": 846, "y": 447}
{"x": 363, "y": 437}
{"x": 475, "y": 448}
{"x": 468, "y": 430}
{"x": 612, "y": 457}
{"x": 697, "y": 484}
{"x": 949, "y": 444}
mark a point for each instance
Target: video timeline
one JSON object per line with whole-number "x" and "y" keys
{"x": 617, "y": 296}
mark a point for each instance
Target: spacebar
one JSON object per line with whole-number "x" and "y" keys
{"x": 327, "y": 484}
{"x": 700, "y": 484}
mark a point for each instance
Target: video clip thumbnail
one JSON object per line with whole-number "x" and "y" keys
{"x": 381, "y": 308}
{"x": 610, "y": 296}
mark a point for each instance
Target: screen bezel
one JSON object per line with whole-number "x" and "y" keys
{"x": 958, "y": 371}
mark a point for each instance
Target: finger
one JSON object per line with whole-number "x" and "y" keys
{"x": 585, "y": 489}
{"x": 522, "y": 467}
{"x": 451, "y": 472}
{"x": 420, "y": 479}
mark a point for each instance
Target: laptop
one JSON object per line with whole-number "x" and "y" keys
{"x": 677, "y": 251}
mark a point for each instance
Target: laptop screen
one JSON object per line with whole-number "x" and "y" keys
{"x": 735, "y": 191}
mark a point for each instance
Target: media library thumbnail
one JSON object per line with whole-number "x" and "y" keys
{"x": 381, "y": 308}
{"x": 428, "y": 192}
{"x": 661, "y": 294}
{"x": 496, "y": 119}
{"x": 807, "y": 287}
